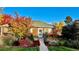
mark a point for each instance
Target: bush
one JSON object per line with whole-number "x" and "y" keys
{"x": 61, "y": 43}
{"x": 31, "y": 37}
{"x": 8, "y": 40}
{"x": 72, "y": 43}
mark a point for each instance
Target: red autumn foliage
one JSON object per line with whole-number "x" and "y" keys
{"x": 6, "y": 19}
{"x": 24, "y": 42}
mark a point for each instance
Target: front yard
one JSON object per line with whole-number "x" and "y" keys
{"x": 61, "y": 48}
{"x": 19, "y": 49}
{"x": 51, "y": 48}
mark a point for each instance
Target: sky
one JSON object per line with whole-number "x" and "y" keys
{"x": 45, "y": 14}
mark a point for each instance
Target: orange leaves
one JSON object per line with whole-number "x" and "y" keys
{"x": 59, "y": 25}
{"x": 5, "y": 19}
{"x": 19, "y": 25}
{"x": 1, "y": 18}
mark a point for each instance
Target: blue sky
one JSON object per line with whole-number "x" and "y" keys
{"x": 46, "y": 14}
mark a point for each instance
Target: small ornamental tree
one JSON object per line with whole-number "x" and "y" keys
{"x": 20, "y": 26}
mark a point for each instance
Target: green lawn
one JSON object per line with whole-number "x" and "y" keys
{"x": 20, "y": 49}
{"x": 51, "y": 48}
{"x": 60, "y": 48}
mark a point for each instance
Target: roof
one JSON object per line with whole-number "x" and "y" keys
{"x": 41, "y": 24}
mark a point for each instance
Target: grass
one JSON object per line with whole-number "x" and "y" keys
{"x": 60, "y": 48}
{"x": 51, "y": 48}
{"x": 20, "y": 49}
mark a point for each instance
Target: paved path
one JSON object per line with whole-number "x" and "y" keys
{"x": 42, "y": 46}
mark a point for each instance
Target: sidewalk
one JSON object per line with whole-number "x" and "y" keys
{"x": 42, "y": 46}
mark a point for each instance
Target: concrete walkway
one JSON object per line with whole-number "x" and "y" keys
{"x": 42, "y": 46}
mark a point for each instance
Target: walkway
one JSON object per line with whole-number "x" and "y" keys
{"x": 42, "y": 46}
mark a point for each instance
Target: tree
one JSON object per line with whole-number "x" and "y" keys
{"x": 68, "y": 19}
{"x": 21, "y": 26}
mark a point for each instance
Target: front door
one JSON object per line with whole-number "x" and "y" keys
{"x": 40, "y": 32}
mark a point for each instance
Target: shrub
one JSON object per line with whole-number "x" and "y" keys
{"x": 8, "y": 40}
{"x": 61, "y": 43}
{"x": 31, "y": 37}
